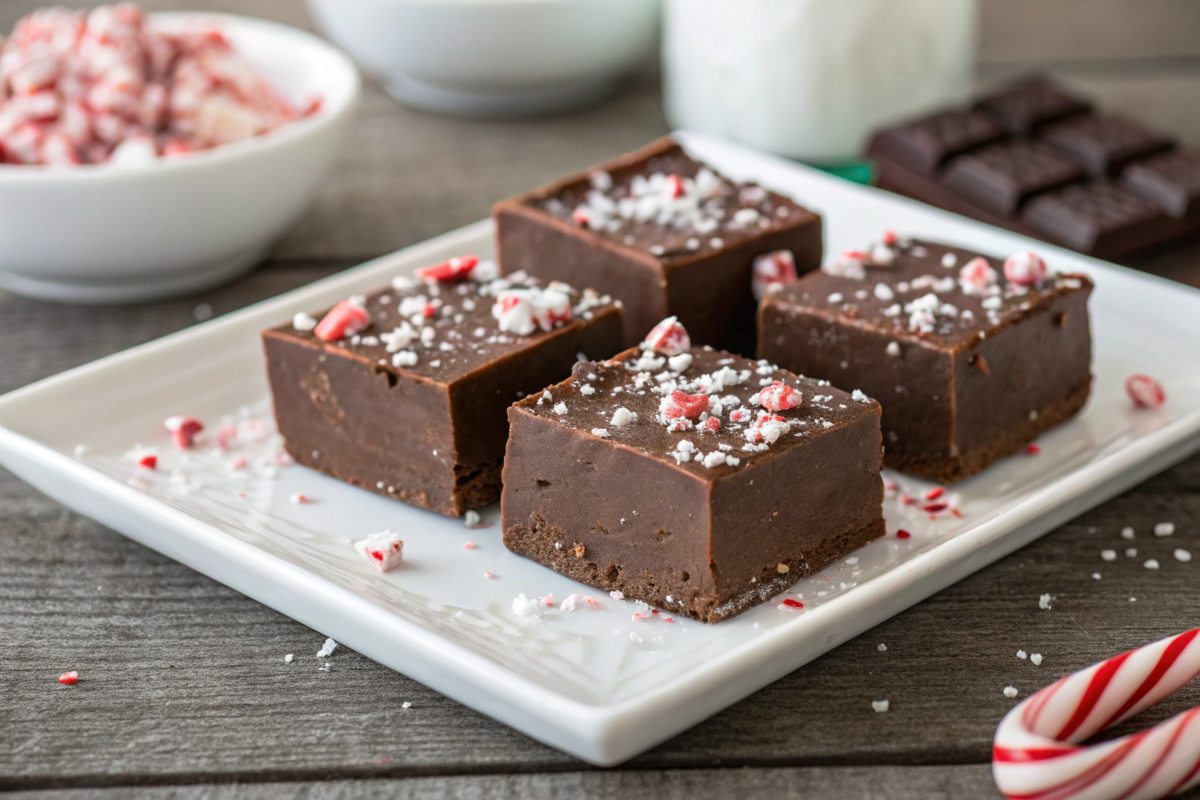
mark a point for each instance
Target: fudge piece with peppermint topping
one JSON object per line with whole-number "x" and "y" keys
{"x": 971, "y": 357}
{"x": 699, "y": 481}
{"x": 404, "y": 391}
{"x": 664, "y": 234}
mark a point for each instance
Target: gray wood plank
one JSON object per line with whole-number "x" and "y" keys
{"x": 183, "y": 679}
{"x": 899, "y": 783}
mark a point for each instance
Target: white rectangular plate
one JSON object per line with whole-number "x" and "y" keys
{"x": 594, "y": 682}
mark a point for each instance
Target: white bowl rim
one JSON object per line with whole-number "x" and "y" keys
{"x": 334, "y": 105}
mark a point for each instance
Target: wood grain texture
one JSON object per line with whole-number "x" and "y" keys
{"x": 811, "y": 783}
{"x": 183, "y": 680}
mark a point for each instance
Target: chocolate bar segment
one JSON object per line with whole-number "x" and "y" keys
{"x": 1026, "y": 105}
{"x": 1171, "y": 181}
{"x": 705, "y": 513}
{"x": 661, "y": 232}
{"x": 414, "y": 406}
{"x": 1104, "y": 145}
{"x": 1000, "y": 177}
{"x": 968, "y": 365}
{"x": 927, "y": 144}
{"x": 1098, "y": 218}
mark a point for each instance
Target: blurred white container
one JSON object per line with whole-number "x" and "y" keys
{"x": 494, "y": 57}
{"x": 810, "y": 79}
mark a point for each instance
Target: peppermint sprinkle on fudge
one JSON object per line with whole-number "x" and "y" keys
{"x": 972, "y": 357}
{"x": 662, "y": 232}
{"x": 404, "y": 391}
{"x": 691, "y": 478}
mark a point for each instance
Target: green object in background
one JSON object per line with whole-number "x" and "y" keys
{"x": 856, "y": 172}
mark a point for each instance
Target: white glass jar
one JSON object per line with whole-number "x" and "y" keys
{"x": 811, "y": 79}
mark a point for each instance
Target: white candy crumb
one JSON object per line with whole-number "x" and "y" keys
{"x": 406, "y": 704}
{"x": 560, "y": 408}
{"x": 1108, "y": 555}
{"x": 893, "y": 349}
{"x": 1126, "y": 533}
{"x": 601, "y": 432}
{"x": 1021, "y": 655}
{"x": 1131, "y": 552}
{"x": 1036, "y": 658}
{"x": 1096, "y": 576}
{"x": 327, "y": 648}
{"x": 303, "y": 322}
{"x": 1164, "y": 529}
{"x": 1151, "y": 563}
{"x": 471, "y": 519}
{"x": 882, "y": 647}
{"x": 1044, "y": 602}
{"x": 880, "y": 706}
{"x": 622, "y": 417}
{"x": 616, "y": 594}
{"x": 288, "y": 658}
{"x": 525, "y": 606}
{"x": 1010, "y": 691}
{"x": 1182, "y": 555}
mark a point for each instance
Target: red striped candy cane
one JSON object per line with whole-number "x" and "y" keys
{"x": 1037, "y": 756}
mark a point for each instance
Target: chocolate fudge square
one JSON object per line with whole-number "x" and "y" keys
{"x": 405, "y": 391}
{"x": 971, "y": 357}
{"x": 664, "y": 234}
{"x": 660, "y": 477}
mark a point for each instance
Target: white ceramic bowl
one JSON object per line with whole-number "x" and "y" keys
{"x": 494, "y": 57}
{"x": 104, "y": 234}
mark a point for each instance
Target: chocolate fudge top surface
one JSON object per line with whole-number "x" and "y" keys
{"x": 916, "y": 291}
{"x": 444, "y": 331}
{"x": 624, "y": 400}
{"x": 668, "y": 205}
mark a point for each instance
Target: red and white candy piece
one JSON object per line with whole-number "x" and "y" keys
{"x": 456, "y": 270}
{"x": 849, "y": 264}
{"x": 384, "y": 549}
{"x": 770, "y": 269}
{"x": 779, "y": 397}
{"x": 69, "y": 678}
{"x": 344, "y": 319}
{"x": 1036, "y": 754}
{"x": 668, "y": 337}
{"x": 183, "y": 430}
{"x": 680, "y": 405}
{"x": 1145, "y": 391}
{"x": 977, "y": 276}
{"x": 1025, "y": 268}
{"x": 523, "y": 311}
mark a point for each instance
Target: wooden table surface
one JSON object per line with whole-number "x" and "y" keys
{"x": 185, "y": 693}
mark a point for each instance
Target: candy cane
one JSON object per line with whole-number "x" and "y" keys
{"x": 1036, "y": 755}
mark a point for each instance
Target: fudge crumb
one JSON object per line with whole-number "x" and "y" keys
{"x": 781, "y": 568}
{"x": 1010, "y": 691}
{"x": 1036, "y": 658}
{"x": 327, "y": 648}
{"x": 880, "y": 706}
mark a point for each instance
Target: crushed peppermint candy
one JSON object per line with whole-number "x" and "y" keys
{"x": 978, "y": 277}
{"x": 303, "y": 322}
{"x": 780, "y": 397}
{"x": 110, "y": 86}
{"x": 69, "y": 678}
{"x": 523, "y": 311}
{"x": 1025, "y": 268}
{"x": 183, "y": 430}
{"x": 880, "y": 706}
{"x": 345, "y": 319}
{"x": 1164, "y": 529}
{"x": 455, "y": 270}
{"x": 327, "y": 648}
{"x": 384, "y": 549}
{"x": 669, "y": 338}
{"x": 1145, "y": 391}
{"x": 849, "y": 264}
{"x": 771, "y": 269}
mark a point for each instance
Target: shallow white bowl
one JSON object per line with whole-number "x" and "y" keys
{"x": 494, "y": 57}
{"x": 103, "y": 234}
